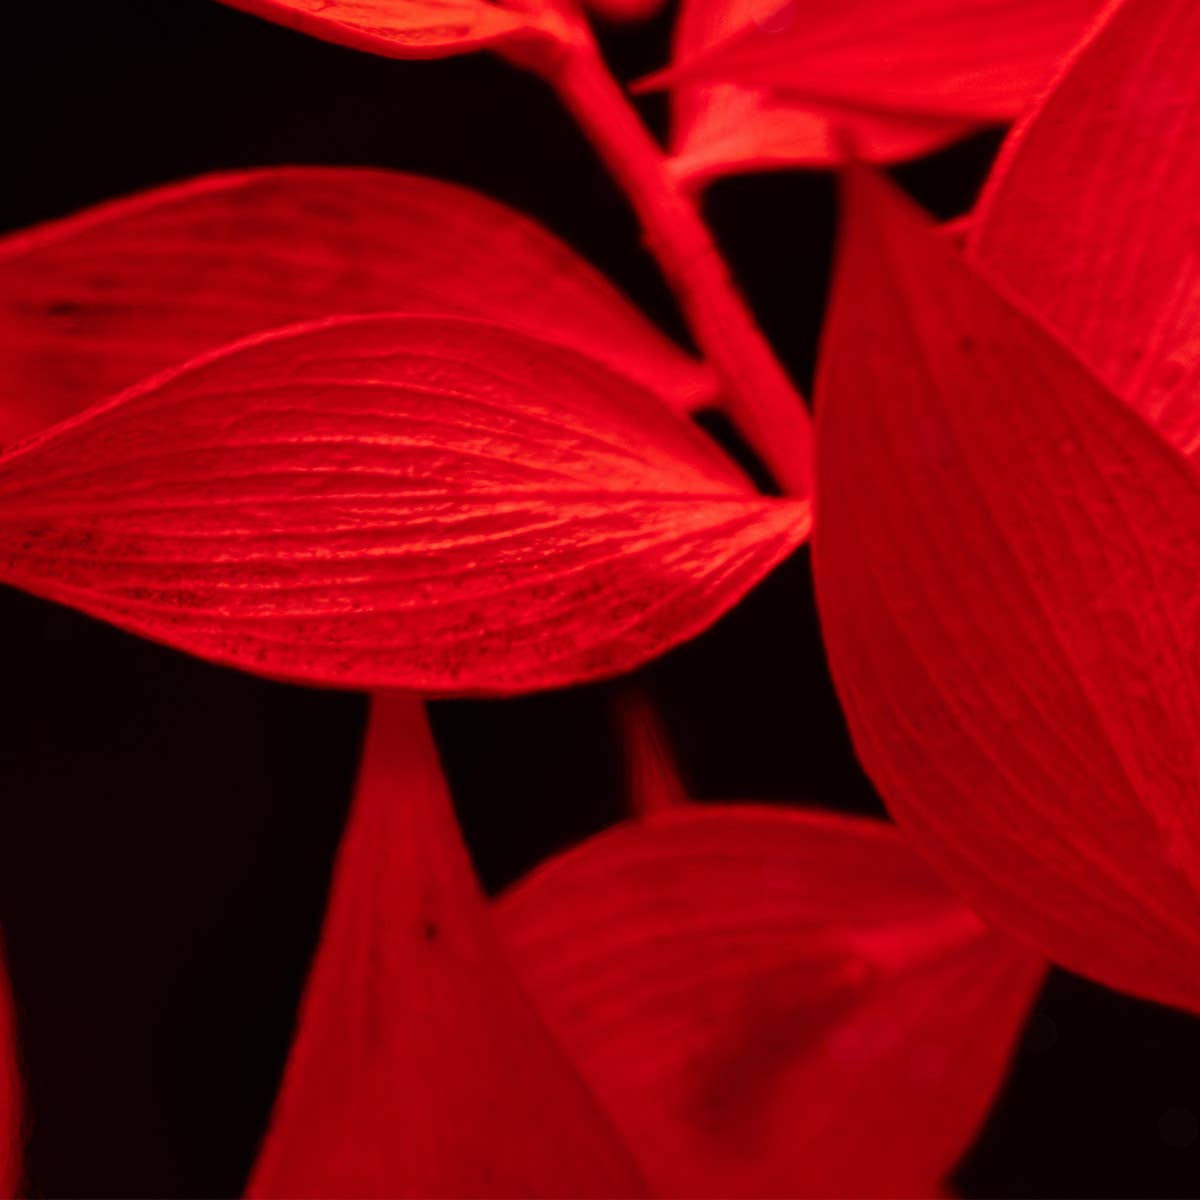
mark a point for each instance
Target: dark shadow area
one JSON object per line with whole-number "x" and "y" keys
{"x": 1102, "y": 1101}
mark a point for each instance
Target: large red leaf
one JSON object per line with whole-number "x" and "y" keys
{"x": 96, "y": 303}
{"x": 1006, "y": 565}
{"x": 419, "y": 1068}
{"x": 419, "y": 502}
{"x": 1090, "y": 213}
{"x": 748, "y": 990}
{"x": 759, "y": 86}
{"x": 402, "y": 28}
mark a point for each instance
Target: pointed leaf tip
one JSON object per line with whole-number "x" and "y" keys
{"x": 1089, "y": 214}
{"x": 418, "y": 1067}
{"x": 759, "y": 86}
{"x": 410, "y": 29}
{"x": 435, "y": 504}
{"x": 1005, "y": 565}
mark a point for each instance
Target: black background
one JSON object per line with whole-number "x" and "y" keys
{"x": 167, "y": 827}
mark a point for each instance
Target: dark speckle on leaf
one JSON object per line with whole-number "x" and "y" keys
{"x": 63, "y": 308}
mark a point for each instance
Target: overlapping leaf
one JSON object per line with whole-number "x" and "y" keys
{"x": 731, "y": 994}
{"x": 419, "y": 1068}
{"x": 1090, "y": 213}
{"x": 100, "y": 301}
{"x": 401, "y": 28}
{"x": 748, "y": 989}
{"x": 420, "y": 502}
{"x": 760, "y": 85}
{"x": 1006, "y": 565}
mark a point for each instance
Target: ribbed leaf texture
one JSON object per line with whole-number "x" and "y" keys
{"x": 758, "y": 86}
{"x": 1006, "y": 567}
{"x": 1090, "y": 213}
{"x": 100, "y": 301}
{"x": 419, "y": 1068}
{"x": 748, "y": 989}
{"x": 417, "y": 502}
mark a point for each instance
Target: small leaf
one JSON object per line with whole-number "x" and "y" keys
{"x": 416, "y": 502}
{"x": 418, "y": 1067}
{"x": 1006, "y": 567}
{"x": 759, "y": 85}
{"x": 98, "y": 302}
{"x": 748, "y": 989}
{"x": 1090, "y": 213}
{"x": 399, "y": 28}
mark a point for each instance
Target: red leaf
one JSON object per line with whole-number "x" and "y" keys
{"x": 419, "y": 1068}
{"x": 96, "y": 303}
{"x": 1090, "y": 214}
{"x": 743, "y": 990}
{"x": 766, "y": 86}
{"x": 1006, "y": 565}
{"x": 400, "y": 28}
{"x": 419, "y": 502}
{"x": 748, "y": 989}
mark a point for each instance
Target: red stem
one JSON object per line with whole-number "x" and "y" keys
{"x": 759, "y": 396}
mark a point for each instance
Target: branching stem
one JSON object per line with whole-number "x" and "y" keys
{"x": 760, "y": 398}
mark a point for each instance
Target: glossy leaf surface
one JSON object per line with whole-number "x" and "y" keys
{"x": 1090, "y": 213}
{"x": 98, "y": 302}
{"x": 748, "y": 989}
{"x": 417, "y": 502}
{"x": 398, "y": 28}
{"x": 766, "y": 85}
{"x": 1006, "y": 568}
{"x": 419, "y": 1068}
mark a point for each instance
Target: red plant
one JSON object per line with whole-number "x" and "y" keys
{"x": 1014, "y": 557}
{"x": 357, "y": 429}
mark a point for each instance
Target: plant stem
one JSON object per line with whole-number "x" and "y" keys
{"x": 759, "y": 396}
